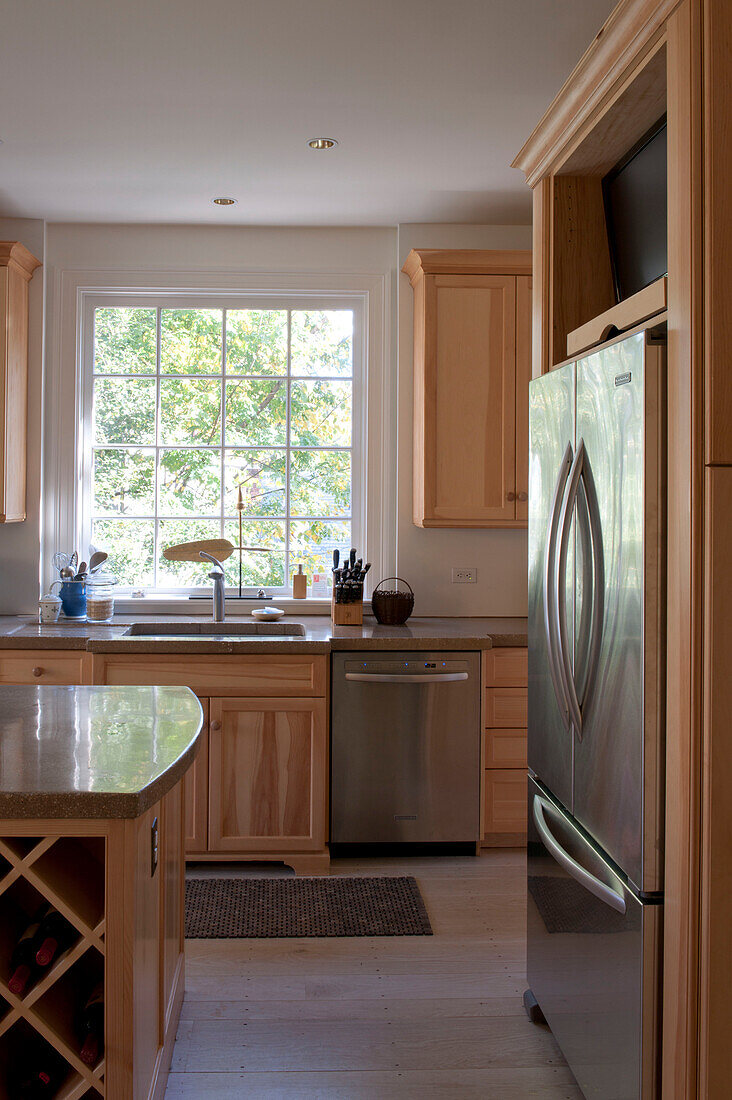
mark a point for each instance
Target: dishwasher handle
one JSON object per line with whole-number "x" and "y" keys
{"x": 406, "y": 677}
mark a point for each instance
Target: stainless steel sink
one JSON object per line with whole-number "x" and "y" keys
{"x": 216, "y": 630}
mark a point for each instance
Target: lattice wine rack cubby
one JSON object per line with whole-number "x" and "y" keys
{"x": 39, "y": 1027}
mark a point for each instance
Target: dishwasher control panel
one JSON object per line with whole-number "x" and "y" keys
{"x": 406, "y": 666}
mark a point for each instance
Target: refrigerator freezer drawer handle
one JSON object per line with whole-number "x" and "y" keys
{"x": 405, "y": 678}
{"x": 571, "y": 866}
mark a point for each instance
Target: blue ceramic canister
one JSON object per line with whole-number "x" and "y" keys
{"x": 73, "y": 599}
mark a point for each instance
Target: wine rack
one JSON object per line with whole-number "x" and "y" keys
{"x": 70, "y": 873}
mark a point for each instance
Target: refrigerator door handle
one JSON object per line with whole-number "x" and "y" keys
{"x": 550, "y": 624}
{"x": 560, "y": 586}
{"x": 584, "y": 629}
{"x": 598, "y": 579}
{"x": 585, "y": 878}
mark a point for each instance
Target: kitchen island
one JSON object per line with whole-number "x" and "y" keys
{"x": 91, "y": 845}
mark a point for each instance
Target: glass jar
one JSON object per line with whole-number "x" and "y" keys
{"x": 100, "y": 597}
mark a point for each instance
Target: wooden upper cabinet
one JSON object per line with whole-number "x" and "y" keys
{"x": 472, "y": 363}
{"x": 17, "y": 265}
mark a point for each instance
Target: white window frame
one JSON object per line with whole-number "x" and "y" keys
{"x": 72, "y": 295}
{"x": 202, "y": 300}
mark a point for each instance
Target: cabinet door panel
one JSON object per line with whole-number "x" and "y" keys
{"x": 505, "y": 748}
{"x": 267, "y": 781}
{"x": 146, "y": 961}
{"x": 523, "y": 377}
{"x": 469, "y": 400}
{"x": 505, "y": 707}
{"x": 220, "y": 674}
{"x": 505, "y": 801}
{"x": 506, "y": 667}
{"x": 196, "y": 794}
{"x": 171, "y": 925}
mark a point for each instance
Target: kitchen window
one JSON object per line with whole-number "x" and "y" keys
{"x": 199, "y": 413}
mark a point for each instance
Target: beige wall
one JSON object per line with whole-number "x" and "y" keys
{"x": 426, "y": 557}
{"x": 20, "y": 542}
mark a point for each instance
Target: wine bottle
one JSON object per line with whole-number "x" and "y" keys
{"x": 91, "y": 1026}
{"x": 35, "y": 1085}
{"x": 54, "y": 935}
{"x": 23, "y": 959}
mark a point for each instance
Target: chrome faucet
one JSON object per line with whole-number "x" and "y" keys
{"x": 219, "y": 590}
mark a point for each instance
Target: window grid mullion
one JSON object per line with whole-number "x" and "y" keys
{"x": 149, "y": 375}
{"x": 224, "y": 353}
{"x": 216, "y": 447}
{"x": 156, "y": 524}
{"x": 288, "y": 451}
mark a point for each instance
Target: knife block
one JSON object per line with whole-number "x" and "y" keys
{"x": 346, "y": 614}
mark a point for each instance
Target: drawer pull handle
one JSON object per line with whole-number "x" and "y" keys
{"x": 523, "y": 496}
{"x": 510, "y": 495}
{"x": 38, "y": 671}
{"x": 215, "y": 725}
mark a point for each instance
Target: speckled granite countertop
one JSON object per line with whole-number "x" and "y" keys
{"x": 320, "y": 635}
{"x": 93, "y": 752}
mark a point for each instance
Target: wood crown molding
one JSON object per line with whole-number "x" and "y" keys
{"x": 629, "y": 29}
{"x": 15, "y": 254}
{"x": 466, "y": 261}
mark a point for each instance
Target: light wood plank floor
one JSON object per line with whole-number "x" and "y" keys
{"x": 403, "y": 1017}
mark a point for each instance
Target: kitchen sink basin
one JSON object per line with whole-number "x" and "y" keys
{"x": 216, "y": 630}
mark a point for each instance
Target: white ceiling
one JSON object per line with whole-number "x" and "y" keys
{"x": 143, "y": 110}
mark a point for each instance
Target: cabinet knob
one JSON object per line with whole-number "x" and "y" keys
{"x": 38, "y": 671}
{"x": 510, "y": 495}
{"x": 215, "y": 725}
{"x": 523, "y": 496}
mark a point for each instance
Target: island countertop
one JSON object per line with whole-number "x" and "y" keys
{"x": 93, "y": 752}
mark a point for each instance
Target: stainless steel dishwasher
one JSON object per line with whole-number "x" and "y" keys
{"x": 405, "y": 753}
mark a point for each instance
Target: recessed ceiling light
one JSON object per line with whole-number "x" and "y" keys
{"x": 223, "y": 201}
{"x": 322, "y": 143}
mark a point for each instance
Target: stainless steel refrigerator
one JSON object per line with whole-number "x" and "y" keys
{"x": 596, "y": 711}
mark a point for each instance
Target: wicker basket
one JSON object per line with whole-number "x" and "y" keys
{"x": 392, "y": 607}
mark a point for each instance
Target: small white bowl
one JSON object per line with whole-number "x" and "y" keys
{"x": 266, "y": 613}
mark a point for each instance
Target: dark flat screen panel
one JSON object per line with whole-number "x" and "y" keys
{"x": 636, "y": 212}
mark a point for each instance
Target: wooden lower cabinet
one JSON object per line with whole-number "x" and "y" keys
{"x": 196, "y": 794}
{"x": 505, "y": 806}
{"x": 45, "y": 666}
{"x": 258, "y": 788}
{"x": 505, "y": 690}
{"x": 267, "y": 768}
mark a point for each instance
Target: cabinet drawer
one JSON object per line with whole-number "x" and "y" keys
{"x": 505, "y": 708}
{"x": 208, "y": 674}
{"x": 43, "y": 666}
{"x": 505, "y": 801}
{"x": 504, "y": 748}
{"x": 506, "y": 667}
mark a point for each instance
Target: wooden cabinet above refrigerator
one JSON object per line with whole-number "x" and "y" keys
{"x": 472, "y": 363}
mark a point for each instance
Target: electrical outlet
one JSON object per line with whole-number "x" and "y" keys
{"x": 464, "y": 576}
